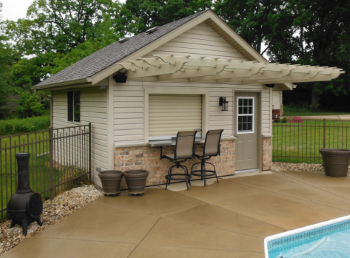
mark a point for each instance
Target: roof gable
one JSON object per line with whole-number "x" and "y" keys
{"x": 199, "y": 41}
{"x": 103, "y": 63}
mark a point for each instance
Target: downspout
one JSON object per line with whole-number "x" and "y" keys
{"x": 51, "y": 105}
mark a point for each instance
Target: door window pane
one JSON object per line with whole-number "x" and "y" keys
{"x": 245, "y": 116}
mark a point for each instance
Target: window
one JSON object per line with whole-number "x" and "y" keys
{"x": 245, "y": 115}
{"x": 73, "y": 106}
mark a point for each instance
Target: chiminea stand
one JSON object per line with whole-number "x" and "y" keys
{"x": 25, "y": 206}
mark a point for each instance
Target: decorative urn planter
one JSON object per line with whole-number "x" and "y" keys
{"x": 336, "y": 162}
{"x": 110, "y": 180}
{"x": 136, "y": 181}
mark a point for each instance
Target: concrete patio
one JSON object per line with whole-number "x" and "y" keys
{"x": 229, "y": 219}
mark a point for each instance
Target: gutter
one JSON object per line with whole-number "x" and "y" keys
{"x": 60, "y": 84}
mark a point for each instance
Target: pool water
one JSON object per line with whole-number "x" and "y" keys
{"x": 330, "y": 241}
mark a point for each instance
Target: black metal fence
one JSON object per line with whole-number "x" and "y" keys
{"x": 59, "y": 158}
{"x": 301, "y": 142}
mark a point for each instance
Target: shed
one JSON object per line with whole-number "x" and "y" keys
{"x": 148, "y": 87}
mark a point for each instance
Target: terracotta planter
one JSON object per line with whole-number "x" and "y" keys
{"x": 336, "y": 162}
{"x": 136, "y": 181}
{"x": 110, "y": 180}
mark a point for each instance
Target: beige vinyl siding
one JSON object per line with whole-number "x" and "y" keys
{"x": 128, "y": 124}
{"x": 170, "y": 113}
{"x": 93, "y": 108}
{"x": 201, "y": 40}
{"x": 129, "y": 121}
{"x": 276, "y": 99}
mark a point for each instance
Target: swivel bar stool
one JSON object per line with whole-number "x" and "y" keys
{"x": 183, "y": 151}
{"x": 211, "y": 148}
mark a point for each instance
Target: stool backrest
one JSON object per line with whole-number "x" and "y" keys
{"x": 185, "y": 144}
{"x": 212, "y": 143}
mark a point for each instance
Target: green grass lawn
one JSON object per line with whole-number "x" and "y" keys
{"x": 302, "y": 111}
{"x": 301, "y": 142}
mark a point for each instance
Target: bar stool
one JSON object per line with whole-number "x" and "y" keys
{"x": 211, "y": 148}
{"x": 183, "y": 151}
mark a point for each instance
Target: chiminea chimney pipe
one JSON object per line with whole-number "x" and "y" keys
{"x": 23, "y": 173}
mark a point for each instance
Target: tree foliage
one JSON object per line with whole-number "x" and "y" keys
{"x": 58, "y": 33}
{"x": 316, "y": 34}
{"x": 6, "y": 60}
{"x": 151, "y": 13}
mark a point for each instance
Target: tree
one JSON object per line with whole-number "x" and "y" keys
{"x": 317, "y": 35}
{"x": 58, "y": 33}
{"x": 252, "y": 19}
{"x": 152, "y": 13}
{"x": 6, "y": 60}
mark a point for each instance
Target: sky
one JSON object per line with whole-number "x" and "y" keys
{"x": 16, "y": 9}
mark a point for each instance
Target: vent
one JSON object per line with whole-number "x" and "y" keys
{"x": 151, "y": 30}
{"x": 123, "y": 40}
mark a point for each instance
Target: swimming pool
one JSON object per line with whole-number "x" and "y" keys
{"x": 326, "y": 239}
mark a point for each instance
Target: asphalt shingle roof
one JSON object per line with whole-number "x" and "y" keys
{"x": 111, "y": 54}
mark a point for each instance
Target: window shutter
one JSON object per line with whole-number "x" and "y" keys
{"x": 169, "y": 114}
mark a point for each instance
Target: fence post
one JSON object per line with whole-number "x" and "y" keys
{"x": 90, "y": 151}
{"x": 324, "y": 133}
{"x": 51, "y": 163}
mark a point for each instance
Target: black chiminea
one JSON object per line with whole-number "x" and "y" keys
{"x": 25, "y": 206}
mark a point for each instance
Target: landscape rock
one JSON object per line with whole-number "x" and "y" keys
{"x": 61, "y": 206}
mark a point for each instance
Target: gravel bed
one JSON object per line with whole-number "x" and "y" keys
{"x": 283, "y": 166}
{"x": 62, "y": 206}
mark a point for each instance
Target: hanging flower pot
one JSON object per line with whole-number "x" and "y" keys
{"x": 110, "y": 180}
{"x": 136, "y": 181}
{"x": 335, "y": 162}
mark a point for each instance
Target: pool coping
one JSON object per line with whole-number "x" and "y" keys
{"x": 300, "y": 230}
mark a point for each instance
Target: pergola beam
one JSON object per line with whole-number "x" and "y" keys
{"x": 196, "y": 69}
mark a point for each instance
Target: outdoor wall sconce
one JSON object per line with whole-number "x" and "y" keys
{"x": 270, "y": 85}
{"x": 223, "y": 103}
{"x": 120, "y": 77}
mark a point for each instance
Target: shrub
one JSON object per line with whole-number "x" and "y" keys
{"x": 29, "y": 104}
{"x": 284, "y": 120}
{"x": 30, "y": 124}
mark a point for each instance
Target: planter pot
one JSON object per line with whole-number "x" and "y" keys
{"x": 110, "y": 180}
{"x": 136, "y": 181}
{"x": 336, "y": 162}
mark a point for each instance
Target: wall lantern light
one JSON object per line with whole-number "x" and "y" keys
{"x": 120, "y": 77}
{"x": 270, "y": 85}
{"x": 223, "y": 103}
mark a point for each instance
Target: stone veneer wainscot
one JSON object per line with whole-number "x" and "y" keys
{"x": 141, "y": 156}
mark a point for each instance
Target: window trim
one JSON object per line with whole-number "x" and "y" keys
{"x": 74, "y": 122}
{"x": 252, "y": 115}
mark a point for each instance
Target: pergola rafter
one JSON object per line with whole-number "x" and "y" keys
{"x": 197, "y": 69}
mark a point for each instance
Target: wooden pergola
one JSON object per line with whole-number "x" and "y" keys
{"x": 201, "y": 69}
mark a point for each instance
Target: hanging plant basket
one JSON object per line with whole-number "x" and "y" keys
{"x": 335, "y": 162}
{"x": 136, "y": 181}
